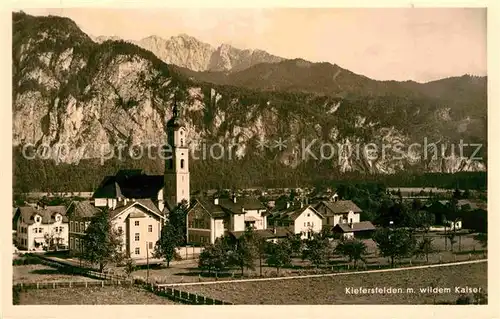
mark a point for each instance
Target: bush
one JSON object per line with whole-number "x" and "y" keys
{"x": 27, "y": 260}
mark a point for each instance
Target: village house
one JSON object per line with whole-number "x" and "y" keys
{"x": 210, "y": 219}
{"x": 346, "y": 214}
{"x": 138, "y": 221}
{"x": 41, "y": 227}
{"x": 79, "y": 216}
{"x": 299, "y": 218}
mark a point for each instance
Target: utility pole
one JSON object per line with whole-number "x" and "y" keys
{"x": 147, "y": 262}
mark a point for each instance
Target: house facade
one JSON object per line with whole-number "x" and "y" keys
{"x": 79, "y": 215}
{"x": 338, "y": 212}
{"x": 300, "y": 219}
{"x": 41, "y": 228}
{"x": 140, "y": 223}
{"x": 343, "y": 217}
{"x": 209, "y": 219}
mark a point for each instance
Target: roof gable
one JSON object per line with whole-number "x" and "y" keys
{"x": 339, "y": 207}
{"x": 144, "y": 203}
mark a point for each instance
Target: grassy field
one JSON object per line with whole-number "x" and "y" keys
{"x": 188, "y": 271}
{"x": 111, "y": 295}
{"x": 332, "y": 290}
{"x": 42, "y": 273}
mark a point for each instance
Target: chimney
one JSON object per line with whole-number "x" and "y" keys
{"x": 216, "y": 201}
{"x": 287, "y": 205}
{"x": 234, "y": 198}
{"x": 301, "y": 204}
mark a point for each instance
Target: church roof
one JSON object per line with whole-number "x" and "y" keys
{"x": 130, "y": 184}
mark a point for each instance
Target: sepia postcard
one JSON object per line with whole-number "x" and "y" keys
{"x": 249, "y": 156}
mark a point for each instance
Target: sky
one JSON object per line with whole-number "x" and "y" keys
{"x": 420, "y": 44}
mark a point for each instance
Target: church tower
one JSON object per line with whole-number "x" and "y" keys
{"x": 176, "y": 161}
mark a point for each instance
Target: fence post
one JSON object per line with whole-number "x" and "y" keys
{"x": 85, "y": 284}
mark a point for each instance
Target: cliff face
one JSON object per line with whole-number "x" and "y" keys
{"x": 91, "y": 97}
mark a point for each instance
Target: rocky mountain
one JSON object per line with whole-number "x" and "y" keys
{"x": 82, "y": 100}
{"x": 188, "y": 52}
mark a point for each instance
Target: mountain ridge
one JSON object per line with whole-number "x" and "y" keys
{"x": 68, "y": 89}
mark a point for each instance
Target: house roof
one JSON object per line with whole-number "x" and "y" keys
{"x": 47, "y": 213}
{"x": 247, "y": 203}
{"x": 355, "y": 227}
{"x": 281, "y": 232}
{"x": 340, "y": 206}
{"x": 146, "y": 203}
{"x": 292, "y": 213}
{"x": 82, "y": 209}
{"x": 130, "y": 184}
{"x": 215, "y": 211}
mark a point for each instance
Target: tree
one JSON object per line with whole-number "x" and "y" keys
{"x": 169, "y": 240}
{"x": 296, "y": 243}
{"x": 102, "y": 241}
{"x": 353, "y": 249}
{"x": 425, "y": 220}
{"x": 279, "y": 254}
{"x": 177, "y": 218}
{"x": 394, "y": 243}
{"x": 243, "y": 254}
{"x": 317, "y": 250}
{"x": 129, "y": 266}
{"x": 452, "y": 238}
{"x": 425, "y": 247}
{"x": 215, "y": 256}
{"x": 482, "y": 238}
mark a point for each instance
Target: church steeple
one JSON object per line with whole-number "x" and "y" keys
{"x": 177, "y": 160}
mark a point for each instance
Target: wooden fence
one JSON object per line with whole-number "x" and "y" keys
{"x": 68, "y": 268}
{"x": 72, "y": 284}
{"x": 186, "y": 297}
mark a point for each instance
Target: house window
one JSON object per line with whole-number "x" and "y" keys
{"x": 35, "y": 230}
{"x": 136, "y": 223}
{"x": 40, "y": 230}
{"x": 308, "y": 215}
{"x": 77, "y": 229}
{"x": 182, "y": 163}
{"x": 304, "y": 224}
{"x": 150, "y": 228}
{"x": 71, "y": 226}
{"x": 71, "y": 243}
{"x": 38, "y": 219}
{"x": 77, "y": 244}
{"x": 120, "y": 229}
{"x": 182, "y": 142}
{"x": 137, "y": 250}
{"x": 81, "y": 227}
{"x": 60, "y": 229}
{"x": 150, "y": 245}
{"x": 308, "y": 224}
{"x": 136, "y": 236}
{"x": 350, "y": 221}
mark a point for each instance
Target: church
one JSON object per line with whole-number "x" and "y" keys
{"x": 139, "y": 203}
